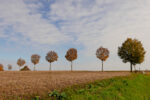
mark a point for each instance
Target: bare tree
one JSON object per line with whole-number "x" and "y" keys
{"x": 20, "y": 62}
{"x": 51, "y": 57}
{"x": 9, "y": 67}
{"x": 35, "y": 58}
{"x": 1, "y": 67}
{"x": 71, "y": 55}
{"x": 102, "y": 54}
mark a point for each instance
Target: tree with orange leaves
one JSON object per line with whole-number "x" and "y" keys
{"x": 71, "y": 55}
{"x": 1, "y": 67}
{"x": 9, "y": 67}
{"x": 35, "y": 58}
{"x": 102, "y": 54}
{"x": 20, "y": 62}
{"x": 51, "y": 57}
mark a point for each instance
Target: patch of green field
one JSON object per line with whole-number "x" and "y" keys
{"x": 134, "y": 87}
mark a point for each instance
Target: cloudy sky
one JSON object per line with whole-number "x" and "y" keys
{"x": 38, "y": 26}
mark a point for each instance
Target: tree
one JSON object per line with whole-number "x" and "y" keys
{"x": 102, "y": 54}
{"x": 35, "y": 58}
{"x": 9, "y": 67}
{"x": 20, "y": 62}
{"x": 51, "y": 57}
{"x": 1, "y": 67}
{"x": 131, "y": 51}
{"x": 71, "y": 55}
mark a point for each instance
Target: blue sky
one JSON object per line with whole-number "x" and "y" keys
{"x": 38, "y": 26}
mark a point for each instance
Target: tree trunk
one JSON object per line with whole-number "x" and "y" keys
{"x": 102, "y": 66}
{"x": 34, "y": 67}
{"x": 50, "y": 67}
{"x": 134, "y": 68}
{"x": 131, "y": 67}
{"x": 71, "y": 65}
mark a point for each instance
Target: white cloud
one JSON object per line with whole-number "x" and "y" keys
{"x": 104, "y": 22}
{"x": 27, "y": 24}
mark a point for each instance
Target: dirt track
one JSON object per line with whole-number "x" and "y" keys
{"x": 41, "y": 82}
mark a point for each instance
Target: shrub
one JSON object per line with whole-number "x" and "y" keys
{"x": 57, "y": 95}
{"x": 26, "y": 68}
{"x": 36, "y": 98}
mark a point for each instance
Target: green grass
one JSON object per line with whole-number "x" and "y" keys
{"x": 134, "y": 87}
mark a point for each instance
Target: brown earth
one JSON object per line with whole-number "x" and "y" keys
{"x": 15, "y": 85}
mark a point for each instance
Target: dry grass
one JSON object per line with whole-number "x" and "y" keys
{"x": 15, "y": 84}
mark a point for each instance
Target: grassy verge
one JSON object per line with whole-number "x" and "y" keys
{"x": 134, "y": 87}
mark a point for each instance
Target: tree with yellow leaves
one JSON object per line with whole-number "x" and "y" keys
{"x": 132, "y": 51}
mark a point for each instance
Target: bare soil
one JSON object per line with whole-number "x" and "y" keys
{"x": 15, "y": 85}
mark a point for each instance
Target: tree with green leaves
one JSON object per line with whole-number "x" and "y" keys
{"x": 132, "y": 51}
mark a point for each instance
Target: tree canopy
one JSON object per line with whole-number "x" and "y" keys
{"x": 9, "y": 67}
{"x": 132, "y": 51}
{"x": 35, "y": 58}
{"x": 102, "y": 53}
{"x": 71, "y": 54}
{"x": 20, "y": 62}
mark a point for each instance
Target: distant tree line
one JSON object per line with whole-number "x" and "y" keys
{"x": 131, "y": 51}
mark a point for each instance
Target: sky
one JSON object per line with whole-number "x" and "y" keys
{"x": 37, "y": 26}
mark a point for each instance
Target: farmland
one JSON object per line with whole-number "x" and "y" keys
{"x": 16, "y": 84}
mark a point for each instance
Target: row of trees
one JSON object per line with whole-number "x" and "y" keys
{"x": 131, "y": 51}
{"x": 51, "y": 57}
{"x": 9, "y": 67}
